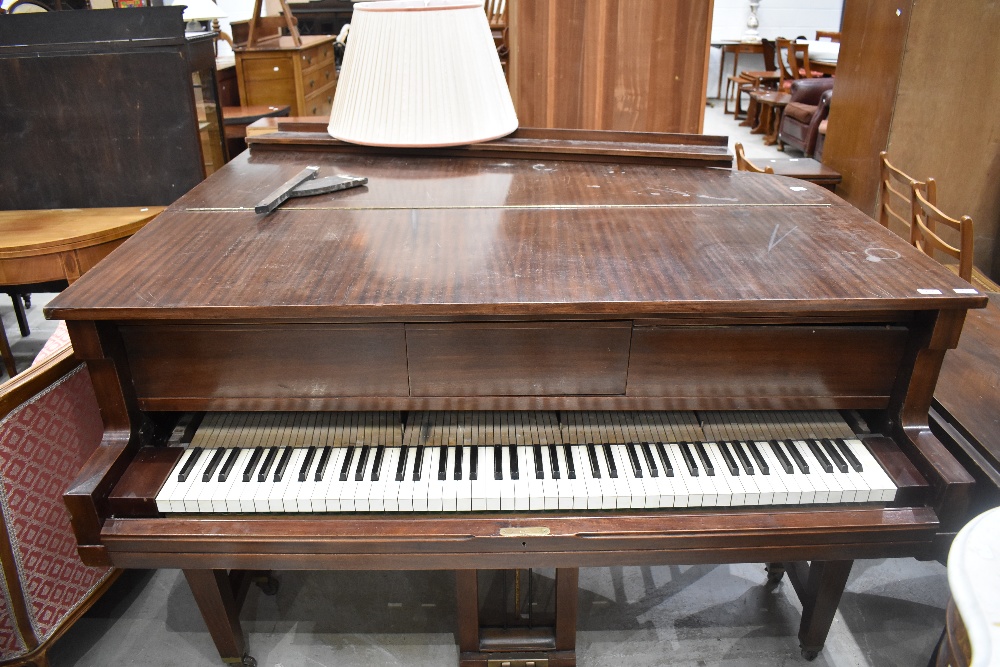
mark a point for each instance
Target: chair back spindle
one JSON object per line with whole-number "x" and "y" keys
{"x": 926, "y": 236}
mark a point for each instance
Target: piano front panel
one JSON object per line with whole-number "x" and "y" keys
{"x": 610, "y": 365}
{"x": 518, "y": 359}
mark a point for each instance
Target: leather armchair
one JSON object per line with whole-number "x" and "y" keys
{"x": 808, "y": 107}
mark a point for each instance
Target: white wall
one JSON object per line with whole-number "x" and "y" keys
{"x": 778, "y": 18}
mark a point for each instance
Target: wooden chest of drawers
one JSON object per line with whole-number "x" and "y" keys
{"x": 279, "y": 73}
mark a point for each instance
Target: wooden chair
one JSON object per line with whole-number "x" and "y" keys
{"x": 924, "y": 233}
{"x": 895, "y": 195}
{"x": 743, "y": 164}
{"x": 833, "y": 36}
{"x": 50, "y": 424}
{"x": 793, "y": 62}
{"x": 496, "y": 13}
{"x": 750, "y": 80}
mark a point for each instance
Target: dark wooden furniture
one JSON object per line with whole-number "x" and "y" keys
{"x": 896, "y": 197}
{"x": 736, "y": 48}
{"x": 667, "y": 287}
{"x": 639, "y": 65}
{"x": 804, "y": 168}
{"x": 965, "y": 414}
{"x": 146, "y": 135}
{"x": 235, "y": 120}
{"x": 771, "y": 104}
{"x": 322, "y": 17}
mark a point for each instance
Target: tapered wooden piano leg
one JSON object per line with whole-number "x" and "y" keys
{"x": 467, "y": 589}
{"x": 213, "y": 591}
{"x": 820, "y": 586}
{"x": 567, "y": 586}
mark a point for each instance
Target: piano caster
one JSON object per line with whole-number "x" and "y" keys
{"x": 809, "y": 654}
{"x": 775, "y": 572}
{"x": 268, "y": 584}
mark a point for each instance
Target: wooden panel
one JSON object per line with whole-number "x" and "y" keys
{"x": 871, "y": 51}
{"x": 765, "y": 362}
{"x": 947, "y": 127}
{"x": 610, "y": 64}
{"x": 542, "y": 359}
{"x": 268, "y": 69}
{"x": 255, "y": 361}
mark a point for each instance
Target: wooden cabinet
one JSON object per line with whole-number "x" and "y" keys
{"x": 279, "y": 73}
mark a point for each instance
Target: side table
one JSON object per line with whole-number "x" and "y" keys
{"x": 772, "y": 104}
{"x": 56, "y": 246}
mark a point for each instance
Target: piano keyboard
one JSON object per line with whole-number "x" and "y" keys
{"x": 519, "y": 461}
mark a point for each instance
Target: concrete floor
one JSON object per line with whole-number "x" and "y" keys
{"x": 891, "y": 614}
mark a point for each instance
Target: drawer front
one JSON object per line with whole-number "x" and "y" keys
{"x": 275, "y": 92}
{"x": 231, "y": 362}
{"x": 544, "y": 359}
{"x": 320, "y": 102}
{"x": 267, "y": 69}
{"x": 318, "y": 79}
{"x": 777, "y": 362}
{"x": 316, "y": 56}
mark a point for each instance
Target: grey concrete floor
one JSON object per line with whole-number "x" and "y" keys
{"x": 891, "y": 614}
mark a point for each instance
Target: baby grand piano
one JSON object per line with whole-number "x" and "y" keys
{"x": 600, "y": 300}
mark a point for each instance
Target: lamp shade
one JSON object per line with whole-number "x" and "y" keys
{"x": 421, "y": 73}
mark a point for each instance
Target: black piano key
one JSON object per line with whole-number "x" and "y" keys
{"x": 307, "y": 463}
{"x": 252, "y": 463}
{"x": 279, "y": 472}
{"x": 227, "y": 467}
{"x": 213, "y": 464}
{"x": 838, "y": 460}
{"x": 793, "y": 449}
{"x": 418, "y": 463}
{"x": 650, "y": 461}
{"x": 359, "y": 473}
{"x": 346, "y": 467}
{"x": 443, "y": 462}
{"x": 265, "y": 466}
{"x": 497, "y": 462}
{"x": 189, "y": 464}
{"x": 324, "y": 460}
{"x": 570, "y": 463}
{"x": 610, "y": 458}
{"x": 817, "y": 451}
{"x": 458, "y": 462}
{"x": 786, "y": 465}
{"x": 703, "y": 455}
{"x": 741, "y": 454}
{"x": 668, "y": 466}
{"x": 536, "y": 451}
{"x": 759, "y": 458}
{"x": 595, "y": 469}
{"x": 849, "y": 455}
{"x": 377, "y": 463}
{"x": 473, "y": 463}
{"x": 688, "y": 458}
{"x": 727, "y": 456}
{"x": 633, "y": 459}
{"x": 401, "y": 466}
{"x": 554, "y": 461}
{"x": 514, "y": 472}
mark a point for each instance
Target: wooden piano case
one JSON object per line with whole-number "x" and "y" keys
{"x": 544, "y": 271}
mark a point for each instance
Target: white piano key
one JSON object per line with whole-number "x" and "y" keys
{"x": 630, "y": 486}
{"x": 673, "y": 484}
{"x": 424, "y": 488}
{"x": 536, "y": 486}
{"x": 591, "y": 486}
{"x": 565, "y": 496}
{"x": 775, "y": 479}
{"x": 522, "y": 486}
{"x": 363, "y": 503}
{"x": 728, "y": 489}
{"x": 578, "y": 484}
{"x": 827, "y": 488}
{"x": 327, "y": 498}
{"x": 170, "y": 497}
{"x": 479, "y": 487}
{"x": 464, "y": 486}
{"x": 233, "y": 499}
{"x": 449, "y": 489}
{"x": 748, "y": 483}
{"x": 349, "y": 486}
{"x": 696, "y": 488}
{"x": 609, "y": 490}
{"x": 799, "y": 493}
{"x": 305, "y": 492}
{"x": 881, "y": 486}
{"x": 650, "y": 485}
{"x": 285, "y": 490}
{"x": 492, "y": 486}
{"x": 404, "y": 487}
{"x": 191, "y": 489}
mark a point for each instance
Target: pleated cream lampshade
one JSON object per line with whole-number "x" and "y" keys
{"x": 421, "y": 73}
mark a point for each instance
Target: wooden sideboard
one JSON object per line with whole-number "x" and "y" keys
{"x": 279, "y": 73}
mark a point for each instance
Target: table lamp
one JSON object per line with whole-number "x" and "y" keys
{"x": 421, "y": 73}
{"x": 197, "y": 12}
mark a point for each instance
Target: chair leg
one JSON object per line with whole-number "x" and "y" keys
{"x": 22, "y": 316}
{"x": 5, "y": 352}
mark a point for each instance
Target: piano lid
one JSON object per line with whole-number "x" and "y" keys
{"x": 486, "y": 237}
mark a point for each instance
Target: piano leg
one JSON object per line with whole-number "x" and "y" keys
{"x": 477, "y": 645}
{"x": 819, "y": 586}
{"x": 219, "y": 596}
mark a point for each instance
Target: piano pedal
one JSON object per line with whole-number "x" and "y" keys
{"x": 775, "y": 571}
{"x": 246, "y": 661}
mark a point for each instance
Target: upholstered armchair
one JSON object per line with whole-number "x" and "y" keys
{"x": 808, "y": 107}
{"x": 50, "y": 424}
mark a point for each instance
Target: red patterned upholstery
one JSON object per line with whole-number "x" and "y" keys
{"x": 43, "y": 444}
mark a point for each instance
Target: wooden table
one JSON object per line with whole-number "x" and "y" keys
{"x": 57, "y": 245}
{"x": 736, "y": 48}
{"x": 771, "y": 106}
{"x": 804, "y": 168}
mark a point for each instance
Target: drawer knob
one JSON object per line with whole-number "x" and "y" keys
{"x": 277, "y": 69}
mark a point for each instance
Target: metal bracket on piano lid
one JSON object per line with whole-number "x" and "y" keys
{"x": 518, "y": 662}
{"x": 305, "y": 184}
